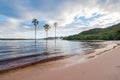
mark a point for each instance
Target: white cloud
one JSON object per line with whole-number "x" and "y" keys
{"x": 64, "y": 14}
{"x": 106, "y": 20}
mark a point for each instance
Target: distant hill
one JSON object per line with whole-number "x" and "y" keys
{"x": 109, "y": 33}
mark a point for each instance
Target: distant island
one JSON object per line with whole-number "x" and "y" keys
{"x": 52, "y": 38}
{"x": 109, "y": 33}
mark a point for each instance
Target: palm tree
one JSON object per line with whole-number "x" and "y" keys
{"x": 46, "y": 27}
{"x": 55, "y": 25}
{"x": 35, "y": 22}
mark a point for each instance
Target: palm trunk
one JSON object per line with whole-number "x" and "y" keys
{"x": 46, "y": 39}
{"x": 55, "y": 41}
{"x": 55, "y": 35}
{"x": 35, "y": 34}
{"x": 46, "y": 34}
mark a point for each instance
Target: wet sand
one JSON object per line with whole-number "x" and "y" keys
{"x": 103, "y": 65}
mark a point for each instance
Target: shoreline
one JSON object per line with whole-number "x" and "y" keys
{"x": 34, "y": 59}
{"x": 102, "y": 60}
{"x": 109, "y": 46}
{"x": 87, "y": 55}
{"x": 35, "y": 63}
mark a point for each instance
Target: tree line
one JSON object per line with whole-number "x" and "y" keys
{"x": 110, "y": 33}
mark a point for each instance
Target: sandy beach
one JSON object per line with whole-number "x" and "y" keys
{"x": 104, "y": 64}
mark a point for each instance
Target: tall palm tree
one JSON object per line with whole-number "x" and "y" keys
{"x": 46, "y": 27}
{"x": 55, "y": 25}
{"x": 35, "y": 22}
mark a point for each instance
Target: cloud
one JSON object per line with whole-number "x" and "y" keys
{"x": 106, "y": 20}
{"x": 73, "y": 16}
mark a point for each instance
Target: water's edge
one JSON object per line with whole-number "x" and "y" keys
{"x": 21, "y": 62}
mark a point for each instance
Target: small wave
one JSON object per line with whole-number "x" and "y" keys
{"x": 6, "y": 51}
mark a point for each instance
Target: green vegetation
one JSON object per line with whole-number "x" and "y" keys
{"x": 46, "y": 27}
{"x": 109, "y": 33}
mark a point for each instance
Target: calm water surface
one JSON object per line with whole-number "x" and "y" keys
{"x": 20, "y": 52}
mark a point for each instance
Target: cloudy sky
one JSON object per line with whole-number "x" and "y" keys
{"x": 72, "y": 16}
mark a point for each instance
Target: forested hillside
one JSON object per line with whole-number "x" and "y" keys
{"x": 109, "y": 33}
